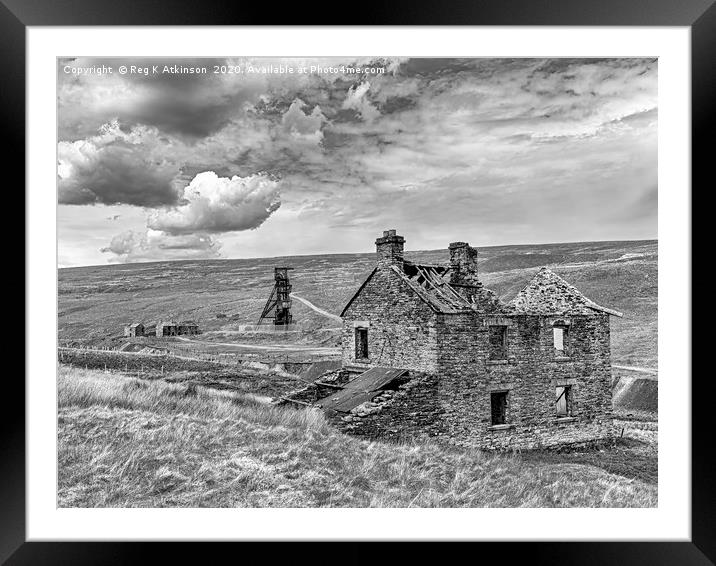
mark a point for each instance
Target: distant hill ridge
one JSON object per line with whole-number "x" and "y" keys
{"x": 484, "y": 250}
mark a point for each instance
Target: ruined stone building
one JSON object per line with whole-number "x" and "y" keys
{"x": 134, "y": 329}
{"x": 433, "y": 353}
{"x": 172, "y": 328}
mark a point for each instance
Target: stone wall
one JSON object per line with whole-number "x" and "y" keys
{"x": 414, "y": 412}
{"x": 401, "y": 327}
{"x": 411, "y": 412}
{"x": 530, "y": 374}
{"x": 453, "y": 404}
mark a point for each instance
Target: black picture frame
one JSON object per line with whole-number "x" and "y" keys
{"x": 699, "y": 15}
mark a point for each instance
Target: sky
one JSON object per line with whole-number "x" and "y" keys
{"x": 313, "y": 156}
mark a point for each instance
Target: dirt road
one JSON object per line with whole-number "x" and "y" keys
{"x": 310, "y": 305}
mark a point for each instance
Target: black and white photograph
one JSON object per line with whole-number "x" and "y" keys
{"x": 354, "y": 282}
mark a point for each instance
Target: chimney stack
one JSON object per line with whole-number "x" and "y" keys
{"x": 389, "y": 249}
{"x": 463, "y": 264}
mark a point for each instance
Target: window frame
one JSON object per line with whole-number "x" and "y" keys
{"x": 567, "y": 392}
{"x": 358, "y": 330}
{"x": 492, "y": 349}
{"x": 565, "y": 352}
{"x": 503, "y": 394}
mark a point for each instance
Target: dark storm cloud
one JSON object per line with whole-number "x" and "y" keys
{"x": 184, "y": 114}
{"x": 397, "y": 104}
{"x": 184, "y": 104}
{"x": 115, "y": 167}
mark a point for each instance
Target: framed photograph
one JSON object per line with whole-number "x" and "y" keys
{"x": 405, "y": 280}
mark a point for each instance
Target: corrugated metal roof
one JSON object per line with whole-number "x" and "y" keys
{"x": 345, "y": 400}
{"x": 361, "y": 389}
{"x": 317, "y": 369}
{"x": 374, "y": 379}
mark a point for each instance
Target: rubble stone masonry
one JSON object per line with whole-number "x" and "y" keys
{"x": 401, "y": 327}
{"x": 455, "y": 367}
{"x": 453, "y": 404}
{"x": 530, "y": 374}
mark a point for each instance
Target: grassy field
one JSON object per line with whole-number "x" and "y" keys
{"x": 222, "y": 295}
{"x": 268, "y": 382}
{"x": 126, "y": 442}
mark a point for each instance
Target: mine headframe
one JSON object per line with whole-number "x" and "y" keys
{"x": 278, "y": 306}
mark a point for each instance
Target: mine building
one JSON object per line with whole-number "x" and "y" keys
{"x": 432, "y": 353}
{"x": 278, "y": 305}
{"x": 134, "y": 329}
{"x": 188, "y": 327}
{"x": 172, "y": 328}
{"x": 166, "y": 328}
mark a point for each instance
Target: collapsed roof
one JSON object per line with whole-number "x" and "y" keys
{"x": 361, "y": 389}
{"x": 431, "y": 284}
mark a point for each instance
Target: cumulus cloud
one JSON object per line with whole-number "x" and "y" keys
{"x": 301, "y": 125}
{"x": 209, "y": 205}
{"x": 219, "y": 204}
{"x": 116, "y": 167}
{"x": 131, "y": 246}
{"x": 357, "y": 99}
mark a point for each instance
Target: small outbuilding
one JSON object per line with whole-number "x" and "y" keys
{"x": 134, "y": 329}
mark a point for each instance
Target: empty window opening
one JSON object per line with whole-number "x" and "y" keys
{"x": 498, "y": 342}
{"x": 498, "y": 400}
{"x": 560, "y": 338}
{"x": 361, "y": 343}
{"x": 564, "y": 401}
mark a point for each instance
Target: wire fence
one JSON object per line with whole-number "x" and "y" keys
{"x": 262, "y": 360}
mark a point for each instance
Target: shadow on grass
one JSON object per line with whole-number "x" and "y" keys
{"x": 626, "y": 457}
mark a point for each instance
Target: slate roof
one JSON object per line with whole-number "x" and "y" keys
{"x": 548, "y": 294}
{"x": 361, "y": 389}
